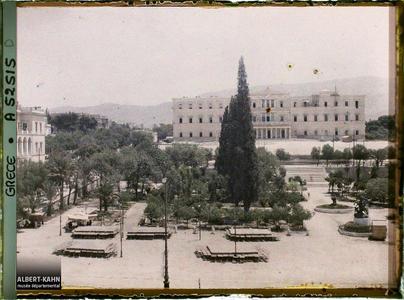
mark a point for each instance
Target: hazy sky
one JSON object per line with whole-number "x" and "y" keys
{"x": 86, "y": 56}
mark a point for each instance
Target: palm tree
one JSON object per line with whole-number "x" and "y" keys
{"x": 60, "y": 169}
{"x": 49, "y": 190}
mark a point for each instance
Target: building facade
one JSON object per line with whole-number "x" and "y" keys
{"x": 324, "y": 116}
{"x": 32, "y": 128}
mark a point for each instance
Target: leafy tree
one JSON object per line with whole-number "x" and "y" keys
{"x": 347, "y": 154}
{"x": 299, "y": 180}
{"x": 86, "y": 123}
{"x": 63, "y": 141}
{"x": 30, "y": 184}
{"x": 154, "y": 209}
{"x": 377, "y": 190}
{"x": 297, "y": 215}
{"x": 359, "y": 153}
{"x": 188, "y": 155}
{"x": 292, "y": 186}
{"x": 277, "y": 214}
{"x": 346, "y": 184}
{"x": 60, "y": 169}
{"x": 334, "y": 179}
{"x": 379, "y": 156}
{"x": 338, "y": 156}
{"x": 237, "y": 144}
{"x": 174, "y": 183}
{"x": 391, "y": 152}
{"x": 104, "y": 193}
{"x": 84, "y": 172}
{"x": 268, "y": 168}
{"x": 327, "y": 153}
{"x": 316, "y": 154}
{"x": 381, "y": 129}
{"x": 162, "y": 161}
{"x": 163, "y": 131}
{"x": 212, "y": 214}
{"x": 282, "y": 154}
{"x": 49, "y": 190}
{"x": 64, "y": 122}
{"x": 104, "y": 166}
{"x": 71, "y": 122}
{"x": 183, "y": 210}
{"x": 216, "y": 187}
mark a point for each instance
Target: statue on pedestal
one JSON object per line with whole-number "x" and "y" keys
{"x": 361, "y": 215}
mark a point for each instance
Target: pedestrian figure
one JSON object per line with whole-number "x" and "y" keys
{"x": 213, "y": 230}
{"x": 308, "y": 194}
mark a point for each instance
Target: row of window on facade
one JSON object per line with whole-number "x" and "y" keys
{"x": 337, "y": 132}
{"x": 271, "y": 103}
{"x": 325, "y": 104}
{"x": 200, "y": 106}
{"x": 210, "y": 134}
{"x": 266, "y": 118}
{"x": 200, "y": 120}
{"x": 265, "y": 103}
{"x": 24, "y": 127}
{"x": 271, "y": 118}
{"x": 24, "y": 147}
{"x": 325, "y": 118}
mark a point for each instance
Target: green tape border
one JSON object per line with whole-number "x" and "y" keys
{"x": 9, "y": 105}
{"x": 8, "y": 128}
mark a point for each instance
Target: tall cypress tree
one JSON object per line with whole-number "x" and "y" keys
{"x": 237, "y": 157}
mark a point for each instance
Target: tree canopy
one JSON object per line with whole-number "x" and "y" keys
{"x": 237, "y": 156}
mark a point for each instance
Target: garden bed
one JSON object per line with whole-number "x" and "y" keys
{"x": 333, "y": 209}
{"x": 356, "y": 230}
{"x": 298, "y": 228}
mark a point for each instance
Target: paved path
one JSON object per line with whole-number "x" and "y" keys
{"x": 133, "y": 216}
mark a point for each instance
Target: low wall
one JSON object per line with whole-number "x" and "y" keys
{"x": 354, "y": 234}
{"x": 334, "y": 210}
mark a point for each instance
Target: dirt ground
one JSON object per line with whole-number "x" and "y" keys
{"x": 322, "y": 257}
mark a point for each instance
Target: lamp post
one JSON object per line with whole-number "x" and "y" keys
{"x": 115, "y": 195}
{"x": 60, "y": 222}
{"x": 166, "y": 279}
{"x": 235, "y": 232}
{"x": 121, "y": 227}
{"x": 199, "y": 220}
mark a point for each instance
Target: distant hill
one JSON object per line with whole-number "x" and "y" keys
{"x": 375, "y": 89}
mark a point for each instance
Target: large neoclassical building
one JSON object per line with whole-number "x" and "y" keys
{"x": 32, "y": 128}
{"x": 325, "y": 116}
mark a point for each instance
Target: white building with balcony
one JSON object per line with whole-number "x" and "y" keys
{"x": 324, "y": 116}
{"x": 32, "y": 128}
